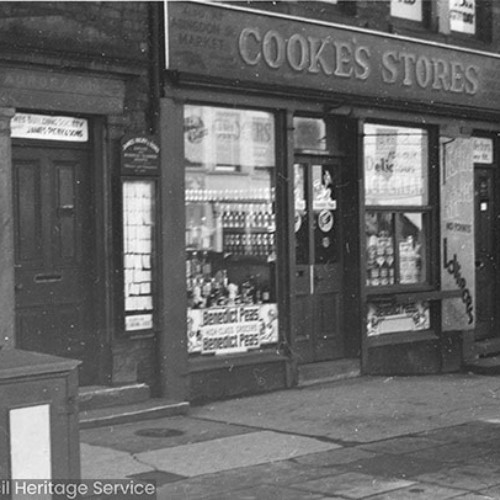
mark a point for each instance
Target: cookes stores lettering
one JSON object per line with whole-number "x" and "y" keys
{"x": 347, "y": 59}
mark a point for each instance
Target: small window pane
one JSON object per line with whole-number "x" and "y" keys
{"x": 380, "y": 262}
{"x": 463, "y": 16}
{"x": 301, "y": 222}
{"x": 396, "y": 164}
{"x": 411, "y": 248}
{"x": 407, "y": 9}
{"x": 324, "y": 211}
{"x": 309, "y": 134}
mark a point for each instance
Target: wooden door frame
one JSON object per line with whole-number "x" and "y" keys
{"x": 495, "y": 213}
{"x": 308, "y": 159}
{"x": 101, "y": 254}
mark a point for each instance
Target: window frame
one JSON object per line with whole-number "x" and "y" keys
{"x": 429, "y": 213}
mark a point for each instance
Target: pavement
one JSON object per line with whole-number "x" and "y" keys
{"x": 430, "y": 437}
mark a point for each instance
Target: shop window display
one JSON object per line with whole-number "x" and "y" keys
{"x": 397, "y": 211}
{"x": 230, "y": 229}
{"x": 397, "y": 221}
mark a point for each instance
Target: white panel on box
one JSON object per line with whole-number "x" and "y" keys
{"x": 30, "y": 449}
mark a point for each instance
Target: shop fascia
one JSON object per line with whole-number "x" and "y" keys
{"x": 347, "y": 59}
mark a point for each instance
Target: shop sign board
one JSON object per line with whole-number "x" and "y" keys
{"x": 49, "y": 128}
{"x": 232, "y": 329}
{"x": 259, "y": 48}
{"x": 140, "y": 155}
{"x": 390, "y": 318}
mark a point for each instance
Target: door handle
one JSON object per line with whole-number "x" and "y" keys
{"x": 299, "y": 273}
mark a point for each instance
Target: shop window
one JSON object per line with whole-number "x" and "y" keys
{"x": 411, "y": 10}
{"x": 469, "y": 18}
{"x": 230, "y": 229}
{"x": 463, "y": 16}
{"x": 398, "y": 215}
{"x": 411, "y": 14}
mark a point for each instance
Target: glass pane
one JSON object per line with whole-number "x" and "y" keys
{"x": 230, "y": 229}
{"x": 301, "y": 218}
{"x": 407, "y": 10}
{"x": 226, "y": 139}
{"x": 396, "y": 165}
{"x": 309, "y": 134}
{"x": 380, "y": 261}
{"x": 324, "y": 206}
{"x": 410, "y": 237}
{"x": 463, "y": 16}
{"x": 138, "y": 240}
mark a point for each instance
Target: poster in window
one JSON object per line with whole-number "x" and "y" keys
{"x": 228, "y": 137}
{"x": 457, "y": 232}
{"x": 463, "y": 16}
{"x": 395, "y": 165}
{"x": 407, "y": 9}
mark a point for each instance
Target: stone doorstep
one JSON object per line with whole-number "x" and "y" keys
{"x": 484, "y": 366}
{"x": 123, "y": 414}
{"x": 486, "y": 347}
{"x": 328, "y": 371}
{"x": 95, "y": 397}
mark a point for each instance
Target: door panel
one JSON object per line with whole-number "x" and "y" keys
{"x": 486, "y": 268}
{"x": 53, "y": 254}
{"x": 318, "y": 269}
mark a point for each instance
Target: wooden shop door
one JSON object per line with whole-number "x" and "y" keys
{"x": 54, "y": 245}
{"x": 486, "y": 263}
{"x": 317, "y": 307}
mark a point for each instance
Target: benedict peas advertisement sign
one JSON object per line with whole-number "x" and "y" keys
{"x": 229, "y": 330}
{"x": 265, "y": 48}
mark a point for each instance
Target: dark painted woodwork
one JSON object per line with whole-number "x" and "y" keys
{"x": 485, "y": 259}
{"x": 172, "y": 337}
{"x": 317, "y": 308}
{"x": 54, "y": 263}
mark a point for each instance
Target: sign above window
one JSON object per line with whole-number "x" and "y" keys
{"x": 49, "y": 128}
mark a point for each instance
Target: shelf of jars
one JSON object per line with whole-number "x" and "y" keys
{"x": 258, "y": 195}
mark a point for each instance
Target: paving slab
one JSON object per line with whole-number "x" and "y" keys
{"x": 353, "y": 485}
{"x": 99, "y": 462}
{"x": 465, "y": 477}
{"x": 421, "y": 491}
{"x": 160, "y": 433}
{"x": 231, "y": 453}
{"x": 366, "y": 409}
{"x": 280, "y": 473}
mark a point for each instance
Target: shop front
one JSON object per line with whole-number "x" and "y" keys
{"x": 334, "y": 198}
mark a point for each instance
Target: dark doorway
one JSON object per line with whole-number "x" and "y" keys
{"x": 318, "y": 264}
{"x": 486, "y": 266}
{"x": 54, "y": 253}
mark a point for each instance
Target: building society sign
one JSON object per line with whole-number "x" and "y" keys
{"x": 263, "y": 48}
{"x": 51, "y": 128}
